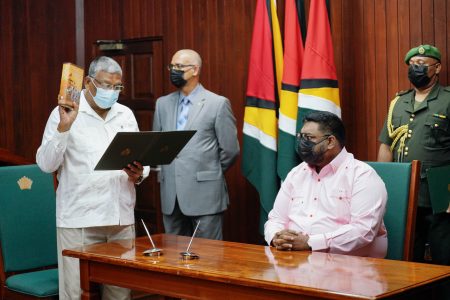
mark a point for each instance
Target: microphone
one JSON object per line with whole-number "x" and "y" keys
{"x": 154, "y": 251}
{"x": 186, "y": 255}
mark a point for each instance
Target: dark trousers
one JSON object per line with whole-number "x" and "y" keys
{"x": 178, "y": 223}
{"x": 423, "y": 222}
{"x": 439, "y": 237}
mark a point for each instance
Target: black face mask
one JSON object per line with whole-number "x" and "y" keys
{"x": 418, "y": 75}
{"x": 176, "y": 77}
{"x": 305, "y": 149}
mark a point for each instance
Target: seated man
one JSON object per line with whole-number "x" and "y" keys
{"x": 331, "y": 202}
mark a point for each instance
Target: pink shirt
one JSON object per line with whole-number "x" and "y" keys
{"x": 341, "y": 208}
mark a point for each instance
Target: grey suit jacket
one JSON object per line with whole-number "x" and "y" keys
{"x": 196, "y": 176}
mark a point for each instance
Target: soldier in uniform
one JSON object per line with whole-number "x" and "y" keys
{"x": 417, "y": 128}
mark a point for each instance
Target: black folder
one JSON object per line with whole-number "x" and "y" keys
{"x": 150, "y": 148}
{"x": 439, "y": 185}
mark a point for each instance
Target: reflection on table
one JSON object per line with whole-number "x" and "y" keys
{"x": 229, "y": 270}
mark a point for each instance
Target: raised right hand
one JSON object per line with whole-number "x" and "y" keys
{"x": 67, "y": 116}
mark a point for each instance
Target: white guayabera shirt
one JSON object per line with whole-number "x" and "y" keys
{"x": 85, "y": 197}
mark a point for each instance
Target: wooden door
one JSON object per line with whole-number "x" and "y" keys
{"x": 142, "y": 62}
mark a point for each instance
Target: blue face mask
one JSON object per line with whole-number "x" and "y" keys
{"x": 105, "y": 98}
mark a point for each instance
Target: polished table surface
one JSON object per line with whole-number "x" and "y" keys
{"x": 228, "y": 270}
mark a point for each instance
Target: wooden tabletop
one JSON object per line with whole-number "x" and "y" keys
{"x": 333, "y": 276}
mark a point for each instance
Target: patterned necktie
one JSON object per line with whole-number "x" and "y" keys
{"x": 183, "y": 113}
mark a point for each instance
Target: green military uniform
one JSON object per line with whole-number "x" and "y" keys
{"x": 421, "y": 131}
{"x": 426, "y": 136}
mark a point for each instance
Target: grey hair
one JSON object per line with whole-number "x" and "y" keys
{"x": 106, "y": 64}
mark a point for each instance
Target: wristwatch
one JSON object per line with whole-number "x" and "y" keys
{"x": 139, "y": 180}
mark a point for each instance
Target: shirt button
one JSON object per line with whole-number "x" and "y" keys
{"x": 315, "y": 198}
{"x": 318, "y": 179}
{"x": 413, "y": 115}
{"x": 310, "y": 216}
{"x": 406, "y": 153}
{"x": 411, "y": 119}
{"x": 436, "y": 125}
{"x": 406, "y": 148}
{"x": 410, "y": 131}
{"x": 409, "y": 135}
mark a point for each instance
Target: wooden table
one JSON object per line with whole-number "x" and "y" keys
{"x": 235, "y": 271}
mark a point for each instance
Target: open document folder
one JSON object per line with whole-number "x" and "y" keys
{"x": 439, "y": 185}
{"x": 150, "y": 148}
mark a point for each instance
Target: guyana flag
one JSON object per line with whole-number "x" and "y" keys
{"x": 319, "y": 85}
{"x": 259, "y": 158}
{"x": 293, "y": 60}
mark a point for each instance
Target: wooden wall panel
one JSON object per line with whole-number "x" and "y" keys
{"x": 376, "y": 34}
{"x": 36, "y": 37}
{"x": 392, "y": 54}
{"x": 440, "y": 31}
{"x": 370, "y": 67}
{"x": 381, "y": 89}
{"x": 221, "y": 32}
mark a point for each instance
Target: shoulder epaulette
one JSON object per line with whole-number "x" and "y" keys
{"x": 401, "y": 93}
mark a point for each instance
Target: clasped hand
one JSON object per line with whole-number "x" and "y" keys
{"x": 287, "y": 239}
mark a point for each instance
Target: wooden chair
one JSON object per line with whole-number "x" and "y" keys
{"x": 28, "y": 253}
{"x": 402, "y": 184}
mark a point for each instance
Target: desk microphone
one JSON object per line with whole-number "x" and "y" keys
{"x": 154, "y": 251}
{"x": 186, "y": 255}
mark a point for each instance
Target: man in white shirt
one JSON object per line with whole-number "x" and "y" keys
{"x": 91, "y": 207}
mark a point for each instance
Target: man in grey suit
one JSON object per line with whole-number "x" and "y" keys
{"x": 193, "y": 186}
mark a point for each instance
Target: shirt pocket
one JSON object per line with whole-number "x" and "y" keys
{"x": 339, "y": 204}
{"x": 298, "y": 203}
{"x": 86, "y": 139}
{"x": 436, "y": 131}
{"x": 209, "y": 175}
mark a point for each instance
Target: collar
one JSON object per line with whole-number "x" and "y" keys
{"x": 433, "y": 95}
{"x": 339, "y": 160}
{"x": 192, "y": 95}
{"x": 334, "y": 165}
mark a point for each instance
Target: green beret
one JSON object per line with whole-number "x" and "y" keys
{"x": 423, "y": 50}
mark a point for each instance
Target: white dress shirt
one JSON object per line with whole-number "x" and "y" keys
{"x": 85, "y": 197}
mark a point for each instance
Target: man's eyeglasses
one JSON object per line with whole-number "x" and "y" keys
{"x": 309, "y": 137}
{"x": 107, "y": 86}
{"x": 178, "y": 66}
{"x": 417, "y": 65}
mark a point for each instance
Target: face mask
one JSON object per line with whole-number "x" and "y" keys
{"x": 418, "y": 75}
{"x": 176, "y": 77}
{"x": 305, "y": 150}
{"x": 105, "y": 98}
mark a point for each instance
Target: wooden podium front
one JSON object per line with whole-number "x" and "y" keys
{"x": 229, "y": 270}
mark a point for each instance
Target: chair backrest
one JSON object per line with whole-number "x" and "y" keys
{"x": 439, "y": 186}
{"x": 402, "y": 185}
{"x": 27, "y": 218}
